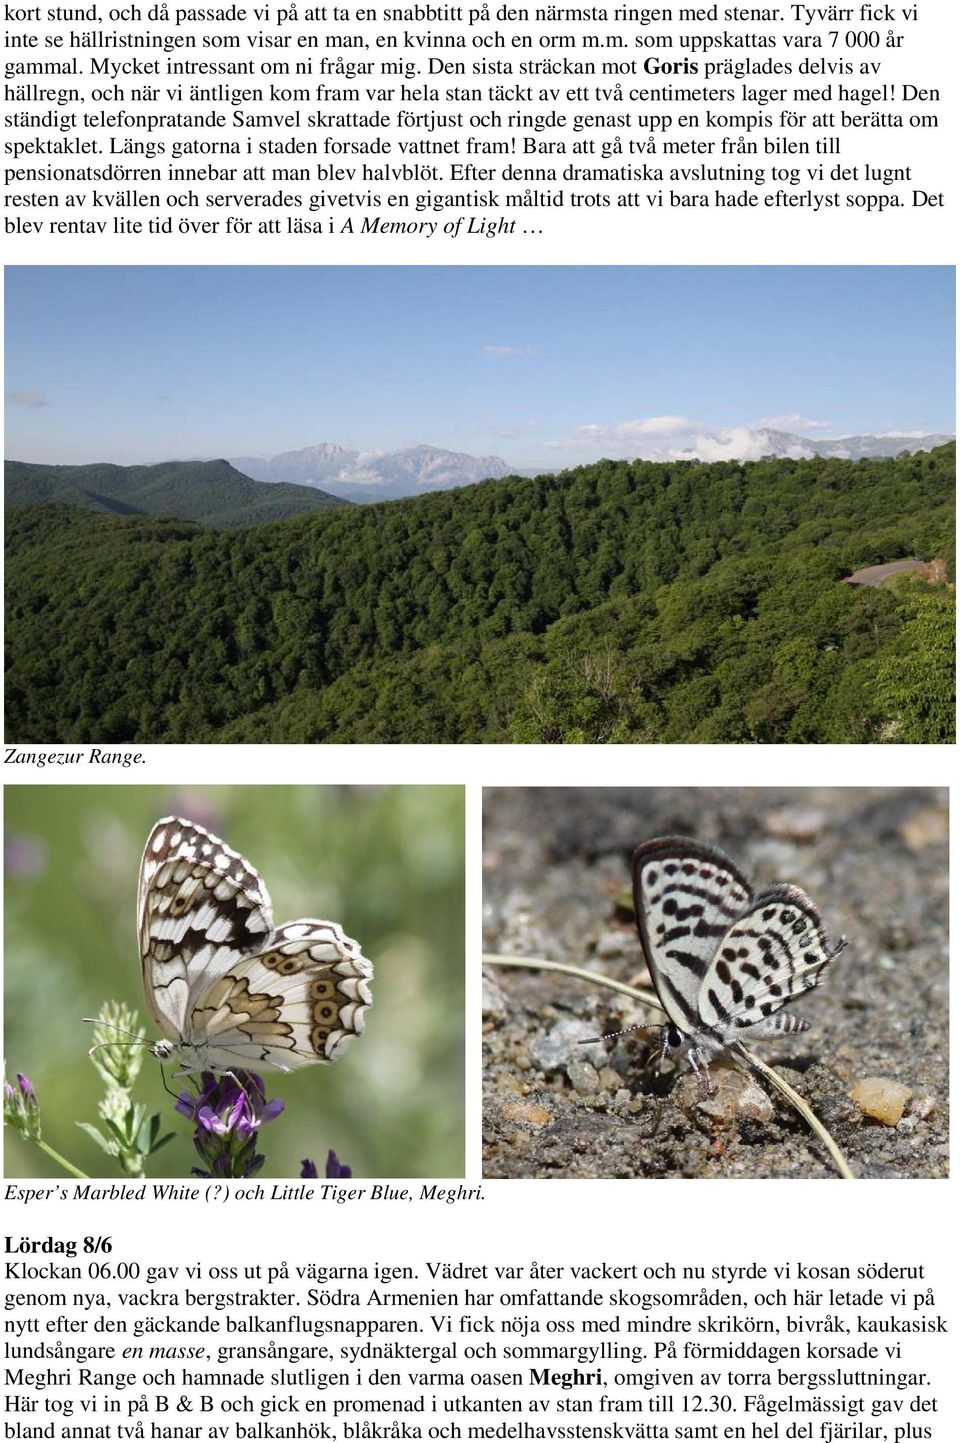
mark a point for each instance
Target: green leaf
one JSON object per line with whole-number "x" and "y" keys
{"x": 120, "y": 1133}
{"x": 147, "y": 1132}
{"x": 108, "y": 1145}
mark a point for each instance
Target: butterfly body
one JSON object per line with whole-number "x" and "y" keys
{"x": 226, "y": 987}
{"x": 724, "y": 960}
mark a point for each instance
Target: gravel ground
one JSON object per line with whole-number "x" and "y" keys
{"x": 556, "y": 885}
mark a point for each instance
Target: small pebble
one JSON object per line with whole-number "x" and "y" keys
{"x": 583, "y": 1076}
{"x": 736, "y": 1097}
{"x": 881, "y": 1098}
{"x": 530, "y": 1113}
{"x": 923, "y": 1107}
{"x": 795, "y": 824}
{"x": 493, "y": 1004}
{"x": 928, "y": 827}
{"x": 560, "y": 1045}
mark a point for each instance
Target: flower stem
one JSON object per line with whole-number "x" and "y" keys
{"x": 67, "y": 1166}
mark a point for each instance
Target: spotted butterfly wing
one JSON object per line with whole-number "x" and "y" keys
{"x": 776, "y": 950}
{"x": 225, "y": 986}
{"x": 686, "y": 896}
{"x": 723, "y": 960}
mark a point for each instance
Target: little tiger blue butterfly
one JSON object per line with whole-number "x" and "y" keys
{"x": 724, "y": 960}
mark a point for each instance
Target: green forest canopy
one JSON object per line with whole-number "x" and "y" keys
{"x": 619, "y": 602}
{"x": 210, "y": 492}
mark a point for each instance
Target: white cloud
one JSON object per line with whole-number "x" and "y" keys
{"x": 795, "y": 422}
{"x": 677, "y": 438}
{"x": 32, "y": 400}
{"x": 509, "y": 351}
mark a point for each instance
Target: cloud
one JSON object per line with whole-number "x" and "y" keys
{"x": 509, "y": 351}
{"x": 631, "y": 433}
{"x": 32, "y": 400}
{"x": 677, "y": 438}
{"x": 796, "y": 423}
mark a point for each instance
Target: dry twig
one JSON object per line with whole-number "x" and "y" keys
{"x": 639, "y": 994}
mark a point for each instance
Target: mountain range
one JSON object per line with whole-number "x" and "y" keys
{"x": 763, "y": 441}
{"x": 374, "y": 475}
{"x": 365, "y": 476}
{"x": 624, "y": 601}
{"x": 250, "y": 489}
{"x": 212, "y": 493}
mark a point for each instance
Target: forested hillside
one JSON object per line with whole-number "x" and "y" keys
{"x": 211, "y": 492}
{"x": 624, "y": 601}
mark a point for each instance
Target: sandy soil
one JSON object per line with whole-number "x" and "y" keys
{"x": 556, "y": 885}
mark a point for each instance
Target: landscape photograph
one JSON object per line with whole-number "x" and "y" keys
{"x": 491, "y": 504}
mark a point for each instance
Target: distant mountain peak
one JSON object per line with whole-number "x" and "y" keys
{"x": 374, "y": 475}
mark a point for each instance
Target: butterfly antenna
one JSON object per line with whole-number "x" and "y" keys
{"x": 141, "y": 1042}
{"x": 136, "y": 1042}
{"x": 588, "y": 1041}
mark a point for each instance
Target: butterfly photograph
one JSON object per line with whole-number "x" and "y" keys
{"x": 715, "y": 982}
{"x": 275, "y": 987}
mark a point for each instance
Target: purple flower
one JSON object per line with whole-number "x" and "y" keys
{"x": 21, "y": 1109}
{"x": 334, "y": 1167}
{"x": 228, "y": 1112}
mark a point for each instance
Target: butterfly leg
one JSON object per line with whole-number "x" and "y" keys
{"x": 700, "y": 1062}
{"x": 671, "y": 1042}
{"x": 166, "y": 1086}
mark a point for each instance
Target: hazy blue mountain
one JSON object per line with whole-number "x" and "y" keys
{"x": 856, "y": 446}
{"x": 374, "y": 475}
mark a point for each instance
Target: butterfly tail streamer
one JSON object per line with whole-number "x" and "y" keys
{"x": 640, "y": 994}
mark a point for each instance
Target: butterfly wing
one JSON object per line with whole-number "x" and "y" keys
{"x": 774, "y": 951}
{"x": 686, "y": 896}
{"x": 201, "y": 909}
{"x": 300, "y": 999}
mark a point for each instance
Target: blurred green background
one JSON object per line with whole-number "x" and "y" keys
{"x": 386, "y": 862}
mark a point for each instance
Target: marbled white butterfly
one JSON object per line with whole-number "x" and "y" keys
{"x": 723, "y": 959}
{"x": 226, "y": 987}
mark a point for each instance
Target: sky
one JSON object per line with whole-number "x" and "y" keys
{"x": 544, "y": 366}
